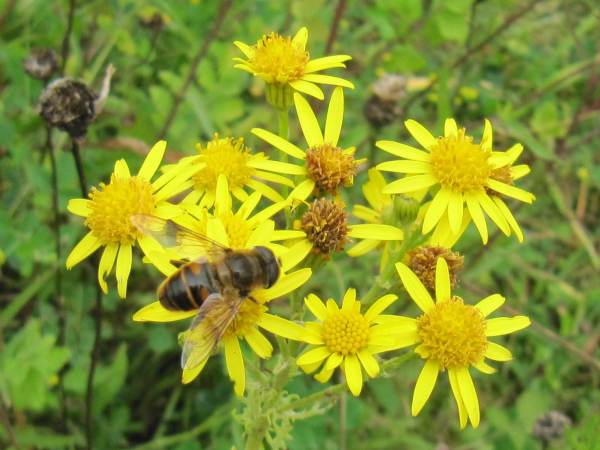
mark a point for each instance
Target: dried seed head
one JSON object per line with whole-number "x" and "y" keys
{"x": 423, "y": 261}
{"x": 68, "y": 105}
{"x": 41, "y": 63}
{"x": 329, "y": 167}
{"x": 326, "y": 226}
{"x": 382, "y": 107}
{"x": 551, "y": 426}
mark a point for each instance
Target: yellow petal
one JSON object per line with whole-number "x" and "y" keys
{"x": 121, "y": 169}
{"x": 308, "y": 88}
{"x": 156, "y": 255}
{"x": 490, "y": 304}
{"x": 510, "y": 191}
{"x": 450, "y": 128}
{"x": 420, "y": 133}
{"x": 216, "y": 231}
{"x": 300, "y": 38}
{"x": 261, "y": 234}
{"x": 259, "y": 343}
{"x": 377, "y": 231}
{"x": 277, "y": 166}
{"x": 327, "y": 79}
{"x": 462, "y": 410}
{"x": 235, "y": 364}
{"x": 379, "y": 306}
{"x": 79, "y": 207}
{"x": 308, "y": 121}
{"x": 362, "y": 247}
{"x": 403, "y": 151}
{"x": 335, "y": 116}
{"x": 273, "y": 178}
{"x": 222, "y": 197}
{"x": 353, "y": 374}
{"x": 281, "y": 327}
{"x": 477, "y": 216}
{"x": 349, "y": 299}
{"x": 189, "y": 375}
{"x": 106, "y": 264}
{"x": 326, "y": 62}
{"x": 156, "y": 312}
{"x": 455, "y": 211}
{"x": 436, "y": 210}
{"x": 295, "y": 254}
{"x": 153, "y": 160}
{"x": 484, "y": 368}
{"x": 303, "y": 190}
{"x": 279, "y": 142}
{"x": 245, "y": 49}
{"x": 313, "y": 356}
{"x": 333, "y": 362}
{"x": 509, "y": 217}
{"x": 287, "y": 283}
{"x": 265, "y": 190}
{"x": 519, "y": 171}
{"x": 487, "y": 141}
{"x": 415, "y": 288}
{"x": 493, "y": 212}
{"x": 505, "y": 325}
{"x": 424, "y": 386}
{"x": 442, "y": 280}
{"x": 324, "y": 376}
{"x": 84, "y": 248}
{"x": 468, "y": 394}
{"x": 123, "y": 268}
{"x": 405, "y": 166}
{"x": 497, "y": 352}
{"x": 316, "y": 306}
{"x": 369, "y": 362}
{"x": 410, "y": 184}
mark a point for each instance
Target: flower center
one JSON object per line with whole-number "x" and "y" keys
{"x": 246, "y": 318}
{"x": 227, "y": 156}
{"x": 459, "y": 164}
{"x": 113, "y": 205}
{"x": 325, "y": 224}
{"x": 423, "y": 261}
{"x": 453, "y": 334}
{"x": 237, "y": 230}
{"x": 345, "y": 332}
{"x": 277, "y": 60}
{"x": 329, "y": 167}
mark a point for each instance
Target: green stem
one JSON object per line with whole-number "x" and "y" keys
{"x": 284, "y": 125}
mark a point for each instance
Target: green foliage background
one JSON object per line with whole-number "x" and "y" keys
{"x": 531, "y": 67}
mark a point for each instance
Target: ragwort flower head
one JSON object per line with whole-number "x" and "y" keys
{"x": 243, "y": 170}
{"x": 108, "y": 213}
{"x": 285, "y": 65}
{"x": 453, "y": 336}
{"x": 466, "y": 173}
{"x": 240, "y": 229}
{"x": 347, "y": 338}
{"x": 326, "y": 166}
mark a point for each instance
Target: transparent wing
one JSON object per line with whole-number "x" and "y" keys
{"x": 185, "y": 243}
{"x": 207, "y": 329}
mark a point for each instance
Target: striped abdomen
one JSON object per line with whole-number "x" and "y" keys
{"x": 187, "y": 288}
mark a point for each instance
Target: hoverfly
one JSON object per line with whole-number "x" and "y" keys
{"x": 212, "y": 278}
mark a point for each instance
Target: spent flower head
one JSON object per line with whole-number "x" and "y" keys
{"x": 465, "y": 172}
{"x": 285, "y": 65}
{"x": 326, "y": 167}
{"x": 452, "y": 336}
{"x": 109, "y": 209}
{"x": 346, "y": 337}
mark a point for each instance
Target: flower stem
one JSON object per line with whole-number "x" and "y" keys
{"x": 284, "y": 126}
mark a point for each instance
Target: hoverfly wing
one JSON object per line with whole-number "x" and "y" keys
{"x": 185, "y": 243}
{"x": 207, "y": 329}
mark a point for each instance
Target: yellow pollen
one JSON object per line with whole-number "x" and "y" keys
{"x": 330, "y": 168}
{"x": 277, "y": 60}
{"x": 453, "y": 334}
{"x": 113, "y": 205}
{"x": 459, "y": 164}
{"x": 345, "y": 332}
{"x": 246, "y": 319}
{"x": 237, "y": 230}
{"x": 227, "y": 156}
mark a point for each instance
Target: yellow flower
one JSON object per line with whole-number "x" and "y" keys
{"x": 238, "y": 230}
{"x": 346, "y": 337}
{"x": 233, "y": 159}
{"x": 466, "y": 173}
{"x": 384, "y": 214}
{"x": 453, "y": 336}
{"x": 108, "y": 211}
{"x": 326, "y": 166}
{"x": 285, "y": 65}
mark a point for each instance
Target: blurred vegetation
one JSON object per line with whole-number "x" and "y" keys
{"x": 531, "y": 67}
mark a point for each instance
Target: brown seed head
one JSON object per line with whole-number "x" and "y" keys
{"x": 330, "y": 168}
{"x": 326, "y": 226}
{"x": 41, "y": 63}
{"x": 423, "y": 261}
{"x": 68, "y": 105}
